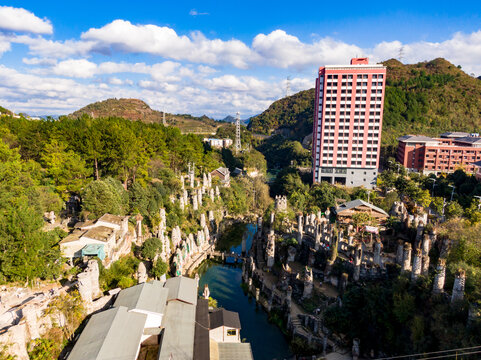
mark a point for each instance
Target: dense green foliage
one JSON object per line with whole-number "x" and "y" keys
{"x": 293, "y": 112}
{"x": 401, "y": 317}
{"x": 116, "y": 166}
{"x": 281, "y": 153}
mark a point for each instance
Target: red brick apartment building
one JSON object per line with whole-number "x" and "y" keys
{"x": 348, "y": 122}
{"x": 452, "y": 151}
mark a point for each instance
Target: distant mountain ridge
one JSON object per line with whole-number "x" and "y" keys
{"x": 231, "y": 119}
{"x": 138, "y": 110}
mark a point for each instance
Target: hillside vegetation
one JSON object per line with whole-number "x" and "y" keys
{"x": 425, "y": 98}
{"x": 138, "y": 110}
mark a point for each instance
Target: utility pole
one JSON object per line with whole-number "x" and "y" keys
{"x": 452, "y": 192}
{"x": 237, "y": 146}
{"x": 288, "y": 86}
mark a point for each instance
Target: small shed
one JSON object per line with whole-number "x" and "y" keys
{"x": 347, "y": 210}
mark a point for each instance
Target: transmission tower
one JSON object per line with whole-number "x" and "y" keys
{"x": 288, "y": 86}
{"x": 237, "y": 133}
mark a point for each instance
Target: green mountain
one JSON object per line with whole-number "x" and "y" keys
{"x": 425, "y": 98}
{"x": 138, "y": 110}
{"x": 4, "y": 111}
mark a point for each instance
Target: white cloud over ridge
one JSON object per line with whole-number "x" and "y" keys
{"x": 21, "y": 20}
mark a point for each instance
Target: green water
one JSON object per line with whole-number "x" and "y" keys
{"x": 266, "y": 339}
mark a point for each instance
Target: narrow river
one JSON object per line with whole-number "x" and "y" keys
{"x": 224, "y": 281}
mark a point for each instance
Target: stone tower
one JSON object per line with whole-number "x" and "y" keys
{"x": 458, "y": 287}
{"x": 439, "y": 278}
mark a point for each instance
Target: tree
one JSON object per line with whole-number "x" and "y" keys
{"x": 66, "y": 168}
{"x": 159, "y": 268}
{"x": 150, "y": 248}
{"x": 105, "y": 196}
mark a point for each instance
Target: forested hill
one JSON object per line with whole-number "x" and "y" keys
{"x": 293, "y": 113}
{"x": 425, "y": 98}
{"x": 138, "y": 110}
{"x": 5, "y": 111}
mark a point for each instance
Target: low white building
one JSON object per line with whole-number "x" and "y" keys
{"x": 218, "y": 143}
{"x": 108, "y": 234}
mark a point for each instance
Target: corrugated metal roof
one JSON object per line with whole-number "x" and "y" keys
{"x": 183, "y": 289}
{"x": 110, "y": 334}
{"x": 151, "y": 297}
{"x": 201, "y": 339}
{"x": 222, "y": 317}
{"x": 178, "y": 337}
{"x": 235, "y": 351}
{"x": 358, "y": 202}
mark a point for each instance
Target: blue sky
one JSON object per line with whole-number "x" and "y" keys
{"x": 211, "y": 57}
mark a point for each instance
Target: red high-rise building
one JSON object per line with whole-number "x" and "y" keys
{"x": 348, "y": 122}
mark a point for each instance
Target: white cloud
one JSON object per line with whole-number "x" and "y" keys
{"x": 194, "y": 12}
{"x": 21, "y": 20}
{"x": 123, "y": 36}
{"x": 39, "y": 61}
{"x": 282, "y": 50}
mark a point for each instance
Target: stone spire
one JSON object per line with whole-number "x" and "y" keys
{"x": 308, "y": 283}
{"x": 141, "y": 273}
{"x": 417, "y": 264}
{"x": 406, "y": 257}
{"x": 458, "y": 287}
{"x": 357, "y": 262}
{"x": 399, "y": 252}
{"x": 270, "y": 249}
{"x": 377, "y": 252}
{"x": 300, "y": 228}
{"x": 206, "y": 292}
{"x": 439, "y": 278}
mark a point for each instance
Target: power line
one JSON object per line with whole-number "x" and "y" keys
{"x": 450, "y": 355}
{"x": 430, "y": 353}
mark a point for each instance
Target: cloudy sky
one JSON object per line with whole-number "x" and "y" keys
{"x": 211, "y": 57}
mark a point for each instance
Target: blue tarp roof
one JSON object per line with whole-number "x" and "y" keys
{"x": 94, "y": 250}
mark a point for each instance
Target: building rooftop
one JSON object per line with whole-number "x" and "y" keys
{"x": 110, "y": 334}
{"x": 74, "y": 236}
{"x": 112, "y": 219}
{"x": 356, "y": 203}
{"x": 235, "y": 351}
{"x": 223, "y": 171}
{"x": 150, "y": 297}
{"x": 222, "y": 317}
{"x": 183, "y": 289}
{"x": 469, "y": 140}
{"x": 416, "y": 138}
{"x": 454, "y": 134}
{"x": 100, "y": 233}
{"x": 179, "y": 331}
{"x": 202, "y": 339}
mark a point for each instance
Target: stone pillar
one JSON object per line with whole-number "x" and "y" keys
{"x": 300, "y": 229}
{"x": 425, "y": 270}
{"x": 356, "y": 349}
{"x": 138, "y": 227}
{"x": 199, "y": 197}
{"x": 357, "y": 262}
{"x": 202, "y": 220}
{"x": 308, "y": 284}
{"x": 406, "y": 257}
{"x": 84, "y": 286}
{"x": 440, "y": 277}
{"x": 181, "y": 203}
{"x": 185, "y": 195}
{"x": 195, "y": 205}
{"x": 141, "y": 273}
{"x": 206, "y": 292}
{"x": 258, "y": 293}
{"x": 270, "y": 249}
{"x": 417, "y": 264}
{"x": 377, "y": 252}
{"x": 458, "y": 287}
{"x": 212, "y": 194}
{"x": 289, "y": 296}
{"x": 399, "y": 252}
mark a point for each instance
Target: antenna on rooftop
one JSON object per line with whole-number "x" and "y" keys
{"x": 237, "y": 133}
{"x": 288, "y": 86}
